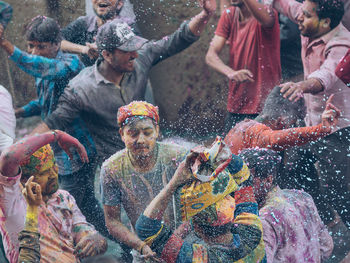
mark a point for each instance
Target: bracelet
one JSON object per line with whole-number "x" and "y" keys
{"x": 139, "y": 249}
{"x": 54, "y": 135}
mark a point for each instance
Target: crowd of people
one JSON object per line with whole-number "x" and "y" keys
{"x": 267, "y": 192}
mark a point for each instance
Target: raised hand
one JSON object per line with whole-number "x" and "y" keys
{"x": 240, "y": 76}
{"x": 209, "y": 6}
{"x": 32, "y": 192}
{"x": 66, "y": 142}
{"x": 292, "y": 91}
{"x": 331, "y": 114}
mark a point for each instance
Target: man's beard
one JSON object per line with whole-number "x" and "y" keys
{"x": 109, "y": 15}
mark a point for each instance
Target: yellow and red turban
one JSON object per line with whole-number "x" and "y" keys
{"x": 137, "y": 108}
{"x": 39, "y": 161}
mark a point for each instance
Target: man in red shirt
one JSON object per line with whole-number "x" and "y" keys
{"x": 252, "y": 32}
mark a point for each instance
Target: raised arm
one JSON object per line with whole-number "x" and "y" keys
{"x": 12, "y": 157}
{"x": 5, "y": 13}
{"x": 199, "y": 22}
{"x": 29, "y": 244}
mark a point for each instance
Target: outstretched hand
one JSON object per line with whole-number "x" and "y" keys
{"x": 183, "y": 173}
{"x": 32, "y": 192}
{"x": 209, "y": 6}
{"x": 331, "y": 114}
{"x": 90, "y": 245}
{"x": 66, "y": 142}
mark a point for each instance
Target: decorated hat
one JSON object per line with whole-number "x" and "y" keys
{"x": 219, "y": 174}
{"x": 137, "y": 109}
{"x": 40, "y": 161}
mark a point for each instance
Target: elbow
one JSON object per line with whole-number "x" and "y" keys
{"x": 268, "y": 23}
{"x": 209, "y": 58}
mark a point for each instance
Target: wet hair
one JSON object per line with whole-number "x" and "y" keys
{"x": 333, "y": 9}
{"x": 103, "y": 259}
{"x": 276, "y": 106}
{"x": 43, "y": 29}
{"x": 263, "y": 161}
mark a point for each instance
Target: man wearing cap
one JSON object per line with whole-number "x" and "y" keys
{"x": 65, "y": 236}
{"x": 132, "y": 177}
{"x": 226, "y": 229}
{"x": 79, "y": 36}
{"x": 119, "y": 77}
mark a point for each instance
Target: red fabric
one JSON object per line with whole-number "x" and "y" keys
{"x": 250, "y": 134}
{"x": 343, "y": 69}
{"x": 245, "y": 194}
{"x": 172, "y": 249}
{"x": 255, "y": 48}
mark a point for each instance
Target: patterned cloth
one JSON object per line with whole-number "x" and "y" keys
{"x": 5, "y": 13}
{"x": 40, "y": 161}
{"x": 293, "y": 230}
{"x": 137, "y": 108}
{"x": 29, "y": 247}
{"x": 247, "y": 245}
{"x": 51, "y": 78}
{"x": 59, "y": 222}
{"x": 123, "y": 185}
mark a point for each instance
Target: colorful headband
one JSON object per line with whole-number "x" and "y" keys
{"x": 137, "y": 108}
{"x": 39, "y": 161}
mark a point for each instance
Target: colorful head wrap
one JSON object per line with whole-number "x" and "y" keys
{"x": 217, "y": 181}
{"x": 139, "y": 109}
{"x": 39, "y": 161}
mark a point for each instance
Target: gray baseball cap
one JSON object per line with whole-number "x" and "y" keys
{"x": 117, "y": 34}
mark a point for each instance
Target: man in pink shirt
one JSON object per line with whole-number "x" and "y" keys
{"x": 324, "y": 42}
{"x": 65, "y": 236}
{"x": 292, "y": 228}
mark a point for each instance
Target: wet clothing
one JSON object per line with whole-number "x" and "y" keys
{"x": 320, "y": 58}
{"x": 122, "y": 185}
{"x": 292, "y": 228}
{"x": 5, "y": 13}
{"x": 247, "y": 244}
{"x": 97, "y": 100}
{"x": 255, "y": 48}
{"x": 7, "y": 119}
{"x": 60, "y": 223}
{"x": 84, "y": 30}
{"x": 29, "y": 247}
{"x": 51, "y": 78}
{"x": 343, "y": 69}
{"x": 250, "y": 134}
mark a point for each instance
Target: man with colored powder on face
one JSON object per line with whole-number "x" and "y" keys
{"x": 325, "y": 41}
{"x": 52, "y": 70}
{"x": 292, "y": 229}
{"x": 119, "y": 77}
{"x": 132, "y": 177}
{"x": 226, "y": 229}
{"x": 252, "y": 31}
{"x": 65, "y": 236}
{"x": 80, "y": 35}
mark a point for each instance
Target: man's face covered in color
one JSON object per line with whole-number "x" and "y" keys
{"x": 140, "y": 137}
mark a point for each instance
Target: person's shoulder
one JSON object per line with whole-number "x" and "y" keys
{"x": 171, "y": 151}
{"x": 83, "y": 77}
{"x": 115, "y": 163}
{"x": 340, "y": 37}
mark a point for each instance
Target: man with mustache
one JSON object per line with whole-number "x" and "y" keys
{"x": 65, "y": 236}
{"x": 80, "y": 35}
{"x": 132, "y": 177}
